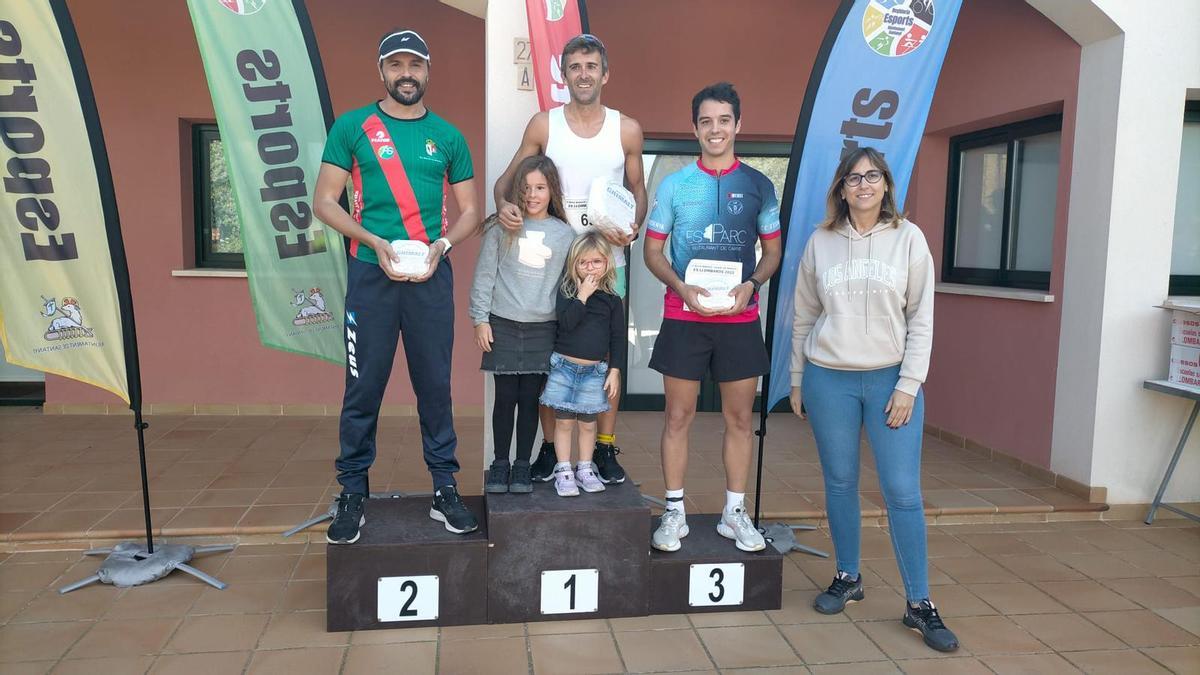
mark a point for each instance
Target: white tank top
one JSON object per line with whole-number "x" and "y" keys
{"x": 580, "y": 160}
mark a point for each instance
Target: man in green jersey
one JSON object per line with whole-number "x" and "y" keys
{"x": 399, "y": 156}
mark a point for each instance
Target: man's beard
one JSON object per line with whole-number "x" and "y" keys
{"x": 393, "y": 90}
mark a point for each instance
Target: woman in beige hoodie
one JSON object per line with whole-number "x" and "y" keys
{"x": 861, "y": 339}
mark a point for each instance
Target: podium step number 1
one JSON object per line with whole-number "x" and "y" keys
{"x": 713, "y": 585}
{"x": 570, "y": 591}
{"x": 408, "y": 598}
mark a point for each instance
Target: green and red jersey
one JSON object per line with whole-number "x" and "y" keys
{"x": 398, "y": 169}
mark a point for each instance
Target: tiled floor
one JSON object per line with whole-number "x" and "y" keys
{"x": 75, "y": 476}
{"x": 1058, "y": 597}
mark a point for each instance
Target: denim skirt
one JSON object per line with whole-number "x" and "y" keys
{"x": 519, "y": 347}
{"x": 574, "y": 387}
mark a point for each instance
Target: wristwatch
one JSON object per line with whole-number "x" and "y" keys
{"x": 755, "y": 283}
{"x": 445, "y": 242}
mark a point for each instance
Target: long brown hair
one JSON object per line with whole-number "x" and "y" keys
{"x": 542, "y": 163}
{"x": 836, "y": 208}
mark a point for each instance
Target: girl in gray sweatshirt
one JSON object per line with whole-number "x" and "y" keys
{"x": 512, "y": 306}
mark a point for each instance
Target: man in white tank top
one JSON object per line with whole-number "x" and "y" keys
{"x": 585, "y": 140}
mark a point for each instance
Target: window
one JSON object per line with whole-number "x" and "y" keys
{"x": 1002, "y": 194}
{"x": 1185, "y": 246}
{"x": 218, "y": 230}
{"x": 643, "y": 386}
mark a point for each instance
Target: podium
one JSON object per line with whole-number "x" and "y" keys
{"x": 406, "y": 570}
{"x": 538, "y": 557}
{"x": 557, "y": 557}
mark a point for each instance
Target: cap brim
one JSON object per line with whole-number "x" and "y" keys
{"x": 405, "y": 50}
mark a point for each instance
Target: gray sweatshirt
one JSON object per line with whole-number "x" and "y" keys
{"x": 517, "y": 277}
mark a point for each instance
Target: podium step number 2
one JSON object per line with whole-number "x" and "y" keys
{"x": 713, "y": 585}
{"x": 570, "y": 591}
{"x": 408, "y": 598}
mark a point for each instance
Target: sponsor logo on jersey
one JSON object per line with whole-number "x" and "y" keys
{"x": 386, "y": 152}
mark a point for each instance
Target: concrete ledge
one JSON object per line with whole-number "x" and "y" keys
{"x": 994, "y": 292}
{"x": 209, "y": 273}
{"x": 241, "y": 409}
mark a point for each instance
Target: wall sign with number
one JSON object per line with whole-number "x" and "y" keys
{"x": 570, "y": 591}
{"x": 408, "y": 598}
{"x": 713, "y": 585}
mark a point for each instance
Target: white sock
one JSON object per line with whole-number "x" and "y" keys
{"x": 675, "y": 501}
{"x": 734, "y": 499}
{"x": 583, "y": 465}
{"x": 562, "y": 466}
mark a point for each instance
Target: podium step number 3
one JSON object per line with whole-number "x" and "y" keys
{"x": 408, "y": 598}
{"x": 714, "y": 585}
{"x": 570, "y": 591}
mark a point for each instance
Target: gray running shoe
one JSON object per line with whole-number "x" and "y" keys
{"x": 564, "y": 483}
{"x": 671, "y": 529}
{"x": 844, "y": 589}
{"x": 735, "y": 524}
{"x": 588, "y": 480}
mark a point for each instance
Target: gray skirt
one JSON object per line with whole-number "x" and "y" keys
{"x": 519, "y": 347}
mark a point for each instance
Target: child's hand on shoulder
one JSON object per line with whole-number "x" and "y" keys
{"x": 588, "y": 286}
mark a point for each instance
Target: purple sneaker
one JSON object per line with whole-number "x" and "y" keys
{"x": 564, "y": 483}
{"x": 588, "y": 479}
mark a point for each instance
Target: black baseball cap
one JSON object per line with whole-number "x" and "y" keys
{"x": 403, "y": 41}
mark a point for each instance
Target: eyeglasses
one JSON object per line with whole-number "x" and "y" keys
{"x": 854, "y": 179}
{"x": 592, "y": 263}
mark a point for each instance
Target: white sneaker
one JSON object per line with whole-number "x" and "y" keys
{"x": 672, "y": 528}
{"x": 736, "y": 525}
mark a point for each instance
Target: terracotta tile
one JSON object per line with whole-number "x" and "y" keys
{"x": 418, "y": 658}
{"x": 276, "y": 517}
{"x": 39, "y": 641}
{"x": 995, "y": 635}
{"x": 124, "y": 637}
{"x": 658, "y": 650}
{"x": 957, "y": 501}
{"x": 389, "y": 636}
{"x": 886, "y": 572}
{"x": 879, "y": 603}
{"x": 124, "y": 522}
{"x": 218, "y": 633}
{"x": 297, "y": 495}
{"x": 232, "y": 497}
{"x": 1102, "y": 565}
{"x": 300, "y": 629}
{"x": 90, "y": 602}
{"x": 1152, "y": 593}
{"x": 654, "y": 622}
{"x": 1016, "y": 598}
{"x": 93, "y": 501}
{"x": 10, "y": 522}
{"x": 496, "y": 630}
{"x": 29, "y": 502}
{"x": 1189, "y": 584}
{"x": 871, "y": 668}
{"x": 1085, "y": 596}
{"x": 1177, "y": 659}
{"x": 241, "y": 480}
{"x": 302, "y": 595}
{"x": 113, "y": 665}
{"x": 245, "y": 597}
{"x": 190, "y": 519}
{"x": 1029, "y": 664}
{"x": 952, "y": 666}
{"x": 1142, "y": 628}
{"x": 994, "y": 543}
{"x": 1115, "y": 663}
{"x": 150, "y": 601}
{"x": 12, "y": 602}
{"x": 720, "y": 619}
{"x": 830, "y": 643}
{"x": 501, "y": 655}
{"x": 213, "y": 663}
{"x": 1160, "y": 563}
{"x": 162, "y": 499}
{"x": 566, "y": 627}
{"x": 746, "y": 646}
{"x": 259, "y": 568}
{"x": 62, "y": 522}
{"x": 1068, "y": 632}
{"x": 312, "y": 661}
{"x": 975, "y": 570}
{"x": 1056, "y": 543}
{"x": 1187, "y": 618}
{"x": 29, "y": 577}
{"x": 1037, "y": 567}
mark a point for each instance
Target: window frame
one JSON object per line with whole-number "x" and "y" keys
{"x": 1185, "y": 284}
{"x": 204, "y": 134}
{"x": 1003, "y": 276}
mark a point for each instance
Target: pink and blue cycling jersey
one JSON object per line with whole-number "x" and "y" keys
{"x": 712, "y": 215}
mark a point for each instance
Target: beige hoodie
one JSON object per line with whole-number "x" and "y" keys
{"x": 865, "y": 302}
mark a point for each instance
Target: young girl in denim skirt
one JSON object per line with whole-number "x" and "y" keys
{"x": 585, "y": 366}
{"x": 513, "y": 308}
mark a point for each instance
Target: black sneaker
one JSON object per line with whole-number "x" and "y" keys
{"x": 924, "y": 619}
{"x": 542, "y": 469}
{"x": 520, "y": 482}
{"x": 844, "y": 589}
{"x": 497, "y": 479}
{"x": 605, "y": 459}
{"x": 448, "y": 508}
{"x": 347, "y": 520}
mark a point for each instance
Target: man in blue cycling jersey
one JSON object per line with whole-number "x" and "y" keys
{"x": 713, "y": 212}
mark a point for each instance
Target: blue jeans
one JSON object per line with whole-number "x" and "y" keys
{"x": 840, "y": 403}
